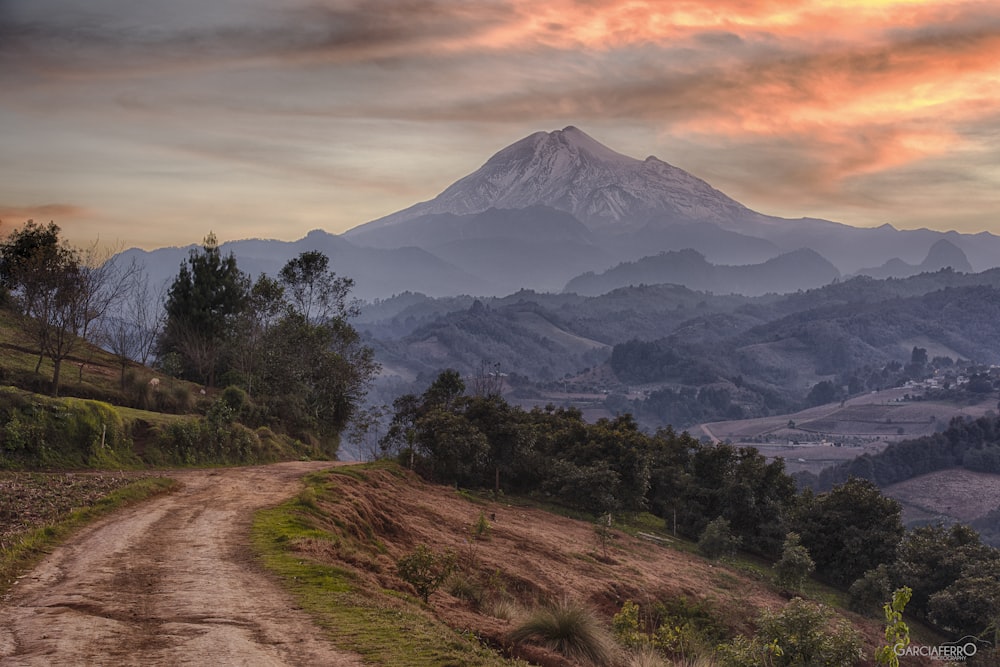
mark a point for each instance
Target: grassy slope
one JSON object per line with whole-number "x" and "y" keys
{"x": 89, "y": 373}
{"x": 336, "y": 546}
{"x": 18, "y": 358}
{"x": 359, "y": 612}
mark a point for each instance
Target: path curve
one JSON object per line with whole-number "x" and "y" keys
{"x": 171, "y": 581}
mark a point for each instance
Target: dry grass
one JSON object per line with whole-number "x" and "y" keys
{"x": 380, "y": 513}
{"x": 570, "y": 629}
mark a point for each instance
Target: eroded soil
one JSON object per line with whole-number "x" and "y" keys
{"x": 168, "y": 582}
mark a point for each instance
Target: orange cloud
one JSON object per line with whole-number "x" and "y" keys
{"x": 608, "y": 24}
{"x": 43, "y": 212}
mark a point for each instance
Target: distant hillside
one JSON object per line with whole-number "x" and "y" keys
{"x": 942, "y": 255}
{"x": 377, "y": 272}
{"x": 802, "y": 269}
{"x": 696, "y": 356}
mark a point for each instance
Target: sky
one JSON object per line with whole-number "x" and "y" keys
{"x": 147, "y": 123}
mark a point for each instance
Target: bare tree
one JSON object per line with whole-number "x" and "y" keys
{"x": 366, "y": 431}
{"x": 489, "y": 380}
{"x": 60, "y": 289}
{"x": 131, "y": 326}
{"x": 105, "y": 280}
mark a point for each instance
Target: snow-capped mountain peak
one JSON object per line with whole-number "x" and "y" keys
{"x": 571, "y": 171}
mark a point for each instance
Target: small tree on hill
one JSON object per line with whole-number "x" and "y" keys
{"x": 717, "y": 540}
{"x": 897, "y": 632}
{"x": 795, "y": 565}
{"x": 425, "y": 570}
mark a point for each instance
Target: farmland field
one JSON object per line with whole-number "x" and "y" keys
{"x": 824, "y": 435}
{"x": 950, "y": 495}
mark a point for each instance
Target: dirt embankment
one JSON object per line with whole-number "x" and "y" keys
{"x": 169, "y": 582}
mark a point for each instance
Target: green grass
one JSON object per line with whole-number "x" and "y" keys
{"x": 383, "y": 626}
{"x": 153, "y": 418}
{"x": 26, "y": 550}
{"x": 18, "y": 359}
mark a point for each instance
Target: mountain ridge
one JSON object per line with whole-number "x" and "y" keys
{"x": 555, "y": 205}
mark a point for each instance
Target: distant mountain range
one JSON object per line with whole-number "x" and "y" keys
{"x": 761, "y": 354}
{"x": 943, "y": 254}
{"x": 560, "y": 210}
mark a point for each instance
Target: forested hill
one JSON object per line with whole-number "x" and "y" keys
{"x": 758, "y": 356}
{"x": 970, "y": 444}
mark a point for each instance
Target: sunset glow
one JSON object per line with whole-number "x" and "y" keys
{"x": 154, "y": 124}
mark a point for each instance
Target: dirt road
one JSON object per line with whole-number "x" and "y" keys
{"x": 169, "y": 582}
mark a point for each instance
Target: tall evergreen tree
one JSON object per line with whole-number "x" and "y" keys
{"x": 204, "y": 300}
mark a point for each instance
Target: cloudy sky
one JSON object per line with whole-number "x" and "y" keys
{"x": 150, "y": 123}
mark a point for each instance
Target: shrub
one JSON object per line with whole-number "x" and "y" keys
{"x": 237, "y": 400}
{"x": 425, "y": 570}
{"x": 502, "y": 607}
{"x": 646, "y": 657}
{"x": 717, "y": 540}
{"x": 627, "y": 628}
{"x": 795, "y": 565}
{"x": 481, "y": 529}
{"x": 137, "y": 389}
{"x": 176, "y": 397}
{"x": 571, "y": 629}
{"x": 802, "y": 633}
{"x": 869, "y": 592}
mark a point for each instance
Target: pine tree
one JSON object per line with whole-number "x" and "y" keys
{"x": 207, "y": 295}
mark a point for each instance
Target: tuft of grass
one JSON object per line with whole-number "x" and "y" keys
{"x": 568, "y": 628}
{"x": 466, "y": 587}
{"x": 24, "y": 551}
{"x": 646, "y": 657}
{"x": 504, "y": 608}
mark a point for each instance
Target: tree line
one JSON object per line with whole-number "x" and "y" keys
{"x": 968, "y": 443}
{"x": 62, "y": 292}
{"x": 854, "y": 535}
{"x": 285, "y": 340}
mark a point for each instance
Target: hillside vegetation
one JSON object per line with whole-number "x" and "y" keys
{"x": 155, "y": 420}
{"x": 340, "y": 544}
{"x": 78, "y": 323}
{"x": 724, "y": 497}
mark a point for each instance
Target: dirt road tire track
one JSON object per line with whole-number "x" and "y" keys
{"x": 169, "y": 582}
